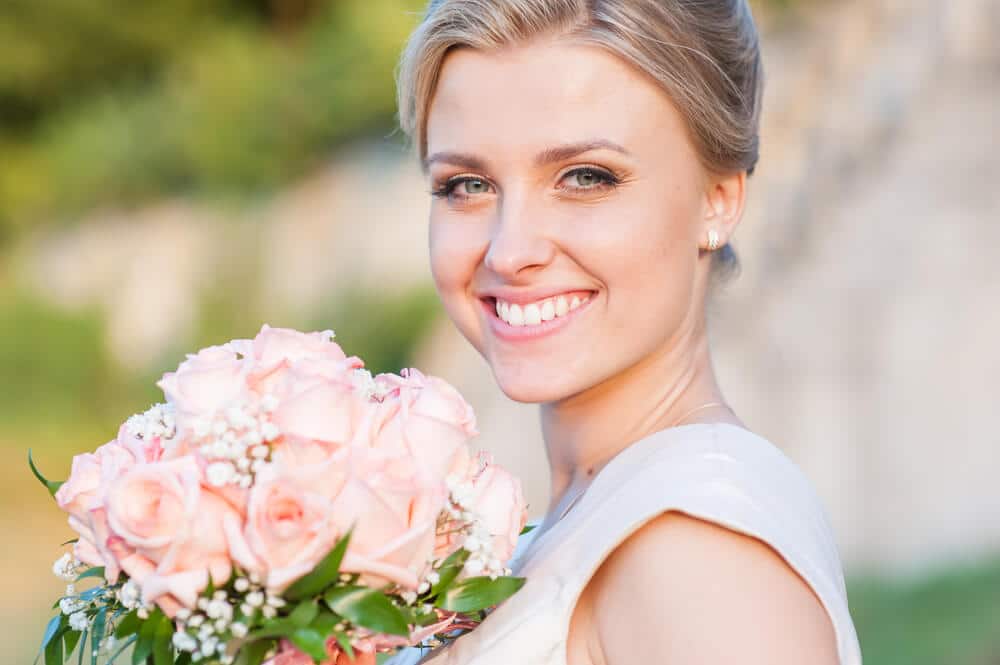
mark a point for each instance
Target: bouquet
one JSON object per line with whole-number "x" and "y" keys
{"x": 285, "y": 506}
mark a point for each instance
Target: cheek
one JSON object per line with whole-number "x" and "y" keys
{"x": 456, "y": 250}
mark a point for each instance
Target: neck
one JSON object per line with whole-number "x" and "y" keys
{"x": 585, "y": 431}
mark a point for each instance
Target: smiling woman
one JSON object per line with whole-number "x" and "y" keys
{"x": 588, "y": 163}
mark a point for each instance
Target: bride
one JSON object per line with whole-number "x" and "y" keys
{"x": 588, "y": 161}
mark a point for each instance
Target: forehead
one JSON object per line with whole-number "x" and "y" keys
{"x": 531, "y": 96}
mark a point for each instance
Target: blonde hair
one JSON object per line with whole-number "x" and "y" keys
{"x": 705, "y": 54}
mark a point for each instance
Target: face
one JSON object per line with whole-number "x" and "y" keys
{"x": 569, "y": 207}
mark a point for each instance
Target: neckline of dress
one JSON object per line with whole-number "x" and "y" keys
{"x": 617, "y": 460}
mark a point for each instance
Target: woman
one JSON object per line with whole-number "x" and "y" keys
{"x": 588, "y": 161}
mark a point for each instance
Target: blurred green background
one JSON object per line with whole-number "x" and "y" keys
{"x": 242, "y": 116}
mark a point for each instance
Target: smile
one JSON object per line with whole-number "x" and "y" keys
{"x": 524, "y": 320}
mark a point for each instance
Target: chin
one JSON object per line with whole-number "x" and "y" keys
{"x": 530, "y": 389}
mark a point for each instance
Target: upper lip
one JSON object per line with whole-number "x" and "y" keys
{"x": 525, "y": 296}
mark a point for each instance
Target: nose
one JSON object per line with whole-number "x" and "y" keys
{"x": 518, "y": 242}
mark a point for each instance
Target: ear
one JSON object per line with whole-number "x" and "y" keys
{"x": 725, "y": 197}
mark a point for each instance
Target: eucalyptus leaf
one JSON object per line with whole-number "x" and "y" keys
{"x": 323, "y": 575}
{"x": 50, "y": 485}
{"x": 310, "y": 642}
{"x": 96, "y": 571}
{"x": 50, "y": 630}
{"x": 70, "y": 638}
{"x": 54, "y": 649}
{"x": 121, "y": 648}
{"x": 83, "y": 649}
{"x": 97, "y": 633}
{"x": 367, "y": 608}
{"x": 90, "y": 594}
{"x": 477, "y": 593}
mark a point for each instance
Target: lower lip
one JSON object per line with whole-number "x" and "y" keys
{"x": 505, "y": 331}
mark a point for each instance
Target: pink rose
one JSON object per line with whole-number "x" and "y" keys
{"x": 170, "y": 533}
{"x": 82, "y": 496}
{"x": 290, "y": 526}
{"x": 426, "y": 419}
{"x": 274, "y": 350}
{"x": 498, "y": 501}
{"x": 323, "y": 407}
{"x": 207, "y": 382}
{"x": 394, "y": 513}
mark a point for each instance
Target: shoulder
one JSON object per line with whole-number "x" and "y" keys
{"x": 703, "y": 593}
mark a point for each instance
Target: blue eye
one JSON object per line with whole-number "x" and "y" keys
{"x": 589, "y": 178}
{"x": 462, "y": 187}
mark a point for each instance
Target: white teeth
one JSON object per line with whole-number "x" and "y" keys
{"x": 535, "y": 313}
{"x": 561, "y": 306}
{"x": 515, "y": 316}
{"x": 548, "y": 310}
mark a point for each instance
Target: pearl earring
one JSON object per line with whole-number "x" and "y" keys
{"x": 713, "y": 240}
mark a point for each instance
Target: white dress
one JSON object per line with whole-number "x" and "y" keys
{"x": 717, "y": 472}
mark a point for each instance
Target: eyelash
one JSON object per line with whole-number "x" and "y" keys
{"x": 606, "y": 180}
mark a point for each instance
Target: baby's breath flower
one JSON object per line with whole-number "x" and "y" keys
{"x": 71, "y": 605}
{"x": 241, "y": 584}
{"x": 65, "y": 567}
{"x": 184, "y": 642}
{"x": 79, "y": 621}
{"x": 269, "y": 612}
{"x": 238, "y": 629}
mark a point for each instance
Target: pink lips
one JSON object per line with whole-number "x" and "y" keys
{"x": 507, "y": 332}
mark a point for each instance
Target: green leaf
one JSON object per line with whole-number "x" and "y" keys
{"x": 324, "y": 622}
{"x": 367, "y": 608}
{"x": 163, "y": 649}
{"x": 128, "y": 625}
{"x": 121, "y": 649}
{"x": 54, "y": 649}
{"x": 97, "y": 633}
{"x": 144, "y": 645}
{"x": 323, "y": 575}
{"x": 282, "y": 627}
{"x": 528, "y": 528}
{"x": 70, "y": 542}
{"x": 70, "y": 638}
{"x": 183, "y": 659}
{"x": 96, "y": 571}
{"x": 345, "y": 643}
{"x": 253, "y": 653}
{"x": 310, "y": 642}
{"x": 304, "y": 613}
{"x": 449, "y": 570}
{"x": 51, "y": 486}
{"x": 477, "y": 593}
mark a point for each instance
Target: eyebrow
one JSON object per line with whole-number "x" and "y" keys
{"x": 547, "y": 156}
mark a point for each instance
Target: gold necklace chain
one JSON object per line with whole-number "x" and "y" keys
{"x": 675, "y": 424}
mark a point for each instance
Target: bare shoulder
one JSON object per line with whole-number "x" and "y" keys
{"x": 700, "y": 593}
